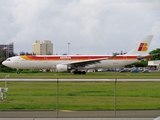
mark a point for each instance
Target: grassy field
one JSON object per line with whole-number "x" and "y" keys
{"x": 81, "y": 95}
{"x": 97, "y": 75}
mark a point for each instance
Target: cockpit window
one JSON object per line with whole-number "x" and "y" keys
{"x": 8, "y": 60}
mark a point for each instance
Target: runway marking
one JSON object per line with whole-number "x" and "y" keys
{"x": 66, "y": 111}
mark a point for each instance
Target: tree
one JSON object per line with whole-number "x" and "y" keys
{"x": 141, "y": 64}
{"x": 155, "y": 57}
{"x": 3, "y": 55}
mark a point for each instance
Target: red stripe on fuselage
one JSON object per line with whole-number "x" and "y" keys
{"x": 67, "y": 57}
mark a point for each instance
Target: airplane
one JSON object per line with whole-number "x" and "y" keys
{"x": 80, "y": 63}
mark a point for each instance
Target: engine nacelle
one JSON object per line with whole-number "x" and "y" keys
{"x": 61, "y": 68}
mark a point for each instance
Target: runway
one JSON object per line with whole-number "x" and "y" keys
{"x": 80, "y": 114}
{"x": 81, "y": 80}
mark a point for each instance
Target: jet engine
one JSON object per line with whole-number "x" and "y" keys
{"x": 61, "y": 68}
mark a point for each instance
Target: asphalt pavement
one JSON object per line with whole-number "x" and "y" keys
{"x": 80, "y": 114}
{"x": 80, "y": 80}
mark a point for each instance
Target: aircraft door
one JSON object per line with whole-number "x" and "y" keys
{"x": 45, "y": 60}
{"x": 16, "y": 60}
{"x": 125, "y": 58}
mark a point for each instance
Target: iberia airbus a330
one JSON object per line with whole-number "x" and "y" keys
{"x": 80, "y": 63}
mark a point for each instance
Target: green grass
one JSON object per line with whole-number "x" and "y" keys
{"x": 81, "y": 95}
{"x": 97, "y": 75}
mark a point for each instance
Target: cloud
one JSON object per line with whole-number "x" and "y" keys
{"x": 90, "y": 26}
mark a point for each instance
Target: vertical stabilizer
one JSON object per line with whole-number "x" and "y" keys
{"x": 142, "y": 47}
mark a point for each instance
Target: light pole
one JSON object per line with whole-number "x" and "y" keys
{"x": 5, "y": 81}
{"x": 115, "y": 97}
{"x": 5, "y": 90}
{"x": 68, "y": 48}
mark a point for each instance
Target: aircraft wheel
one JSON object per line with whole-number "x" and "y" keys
{"x": 79, "y": 72}
{"x": 84, "y": 72}
{"x": 75, "y": 72}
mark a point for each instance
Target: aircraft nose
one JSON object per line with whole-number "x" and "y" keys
{"x": 4, "y": 62}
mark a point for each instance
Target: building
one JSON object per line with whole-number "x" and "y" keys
{"x": 155, "y": 63}
{"x": 7, "y": 50}
{"x": 44, "y": 48}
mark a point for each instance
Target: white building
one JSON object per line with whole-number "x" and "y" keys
{"x": 44, "y": 48}
{"x": 154, "y": 63}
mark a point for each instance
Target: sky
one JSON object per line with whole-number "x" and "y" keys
{"x": 90, "y": 26}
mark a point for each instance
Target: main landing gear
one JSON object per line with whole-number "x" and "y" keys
{"x": 79, "y": 72}
{"x": 18, "y": 71}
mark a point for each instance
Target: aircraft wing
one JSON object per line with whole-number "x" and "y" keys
{"x": 87, "y": 62}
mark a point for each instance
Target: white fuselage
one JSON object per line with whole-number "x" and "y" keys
{"x": 20, "y": 63}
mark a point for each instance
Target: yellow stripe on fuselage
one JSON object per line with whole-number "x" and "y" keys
{"x": 25, "y": 57}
